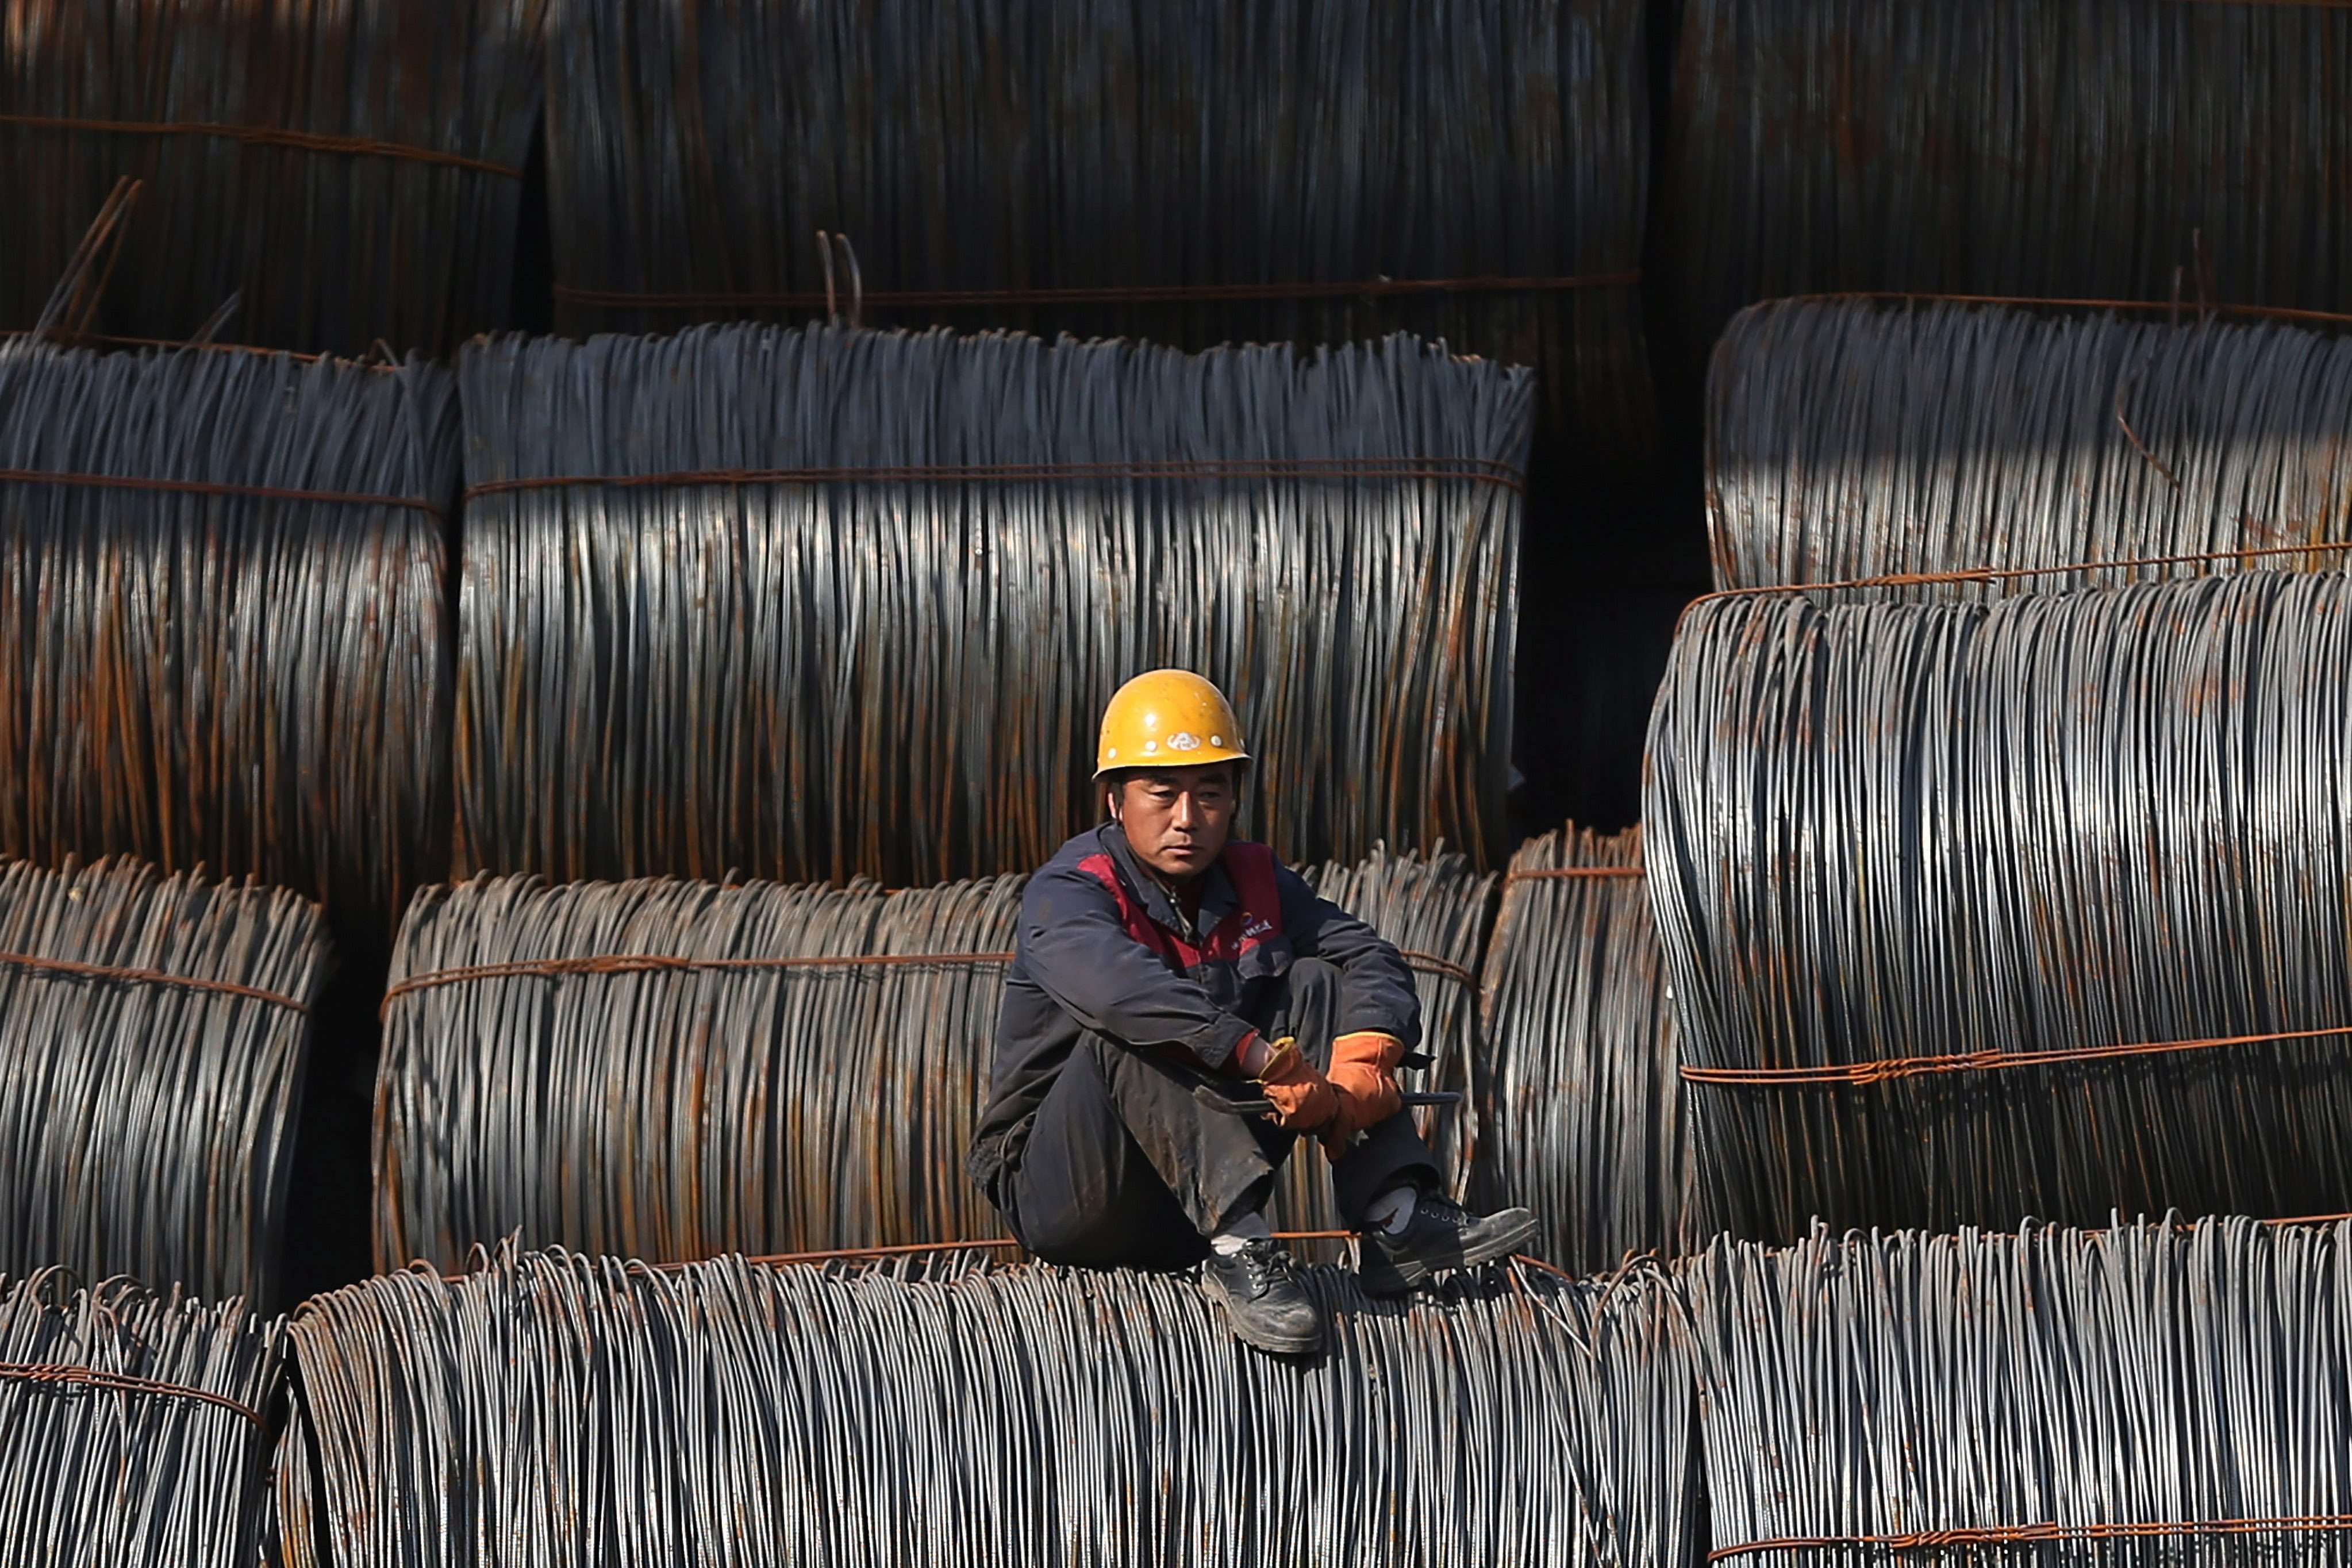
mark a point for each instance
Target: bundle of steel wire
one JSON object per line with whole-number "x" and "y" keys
{"x": 818, "y": 603}
{"x": 332, "y": 174}
{"x": 583, "y": 1409}
{"x": 1970, "y": 911}
{"x": 1192, "y": 173}
{"x": 2126, "y": 150}
{"x": 2153, "y": 1392}
{"x": 1851, "y": 439}
{"x": 1434, "y": 911}
{"x": 222, "y": 638}
{"x": 1581, "y": 1115}
{"x": 154, "y": 1031}
{"x": 675, "y": 1069}
{"x": 134, "y": 1425}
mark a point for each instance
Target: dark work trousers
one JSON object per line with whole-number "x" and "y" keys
{"x": 1124, "y": 1167}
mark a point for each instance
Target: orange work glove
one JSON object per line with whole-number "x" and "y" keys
{"x": 1363, "y": 1075}
{"x": 1302, "y": 1098}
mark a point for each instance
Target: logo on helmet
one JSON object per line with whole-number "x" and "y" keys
{"x": 1183, "y": 740}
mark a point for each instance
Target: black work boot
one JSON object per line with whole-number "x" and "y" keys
{"x": 1264, "y": 1300}
{"x": 1441, "y": 1234}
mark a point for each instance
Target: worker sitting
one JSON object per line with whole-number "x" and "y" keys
{"x": 1166, "y": 971}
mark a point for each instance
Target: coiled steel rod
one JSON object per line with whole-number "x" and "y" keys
{"x": 1854, "y": 439}
{"x": 816, "y": 604}
{"x": 134, "y": 1425}
{"x": 155, "y": 1032}
{"x": 1974, "y": 912}
{"x": 1193, "y": 171}
{"x": 567, "y": 1408}
{"x": 221, "y": 621}
{"x": 1582, "y": 1118}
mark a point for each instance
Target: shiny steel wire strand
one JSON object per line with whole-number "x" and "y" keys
{"x": 200, "y": 676}
{"x": 2062, "y": 823}
{"x": 147, "y": 1107}
{"x": 901, "y": 677}
{"x": 1850, "y": 439}
{"x": 553, "y": 1408}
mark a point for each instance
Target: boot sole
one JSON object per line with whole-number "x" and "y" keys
{"x": 1273, "y": 1344}
{"x": 1384, "y": 1276}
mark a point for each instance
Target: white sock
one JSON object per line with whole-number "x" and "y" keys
{"x": 1230, "y": 1237}
{"x": 1393, "y": 1210}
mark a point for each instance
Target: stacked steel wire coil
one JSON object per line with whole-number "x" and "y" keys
{"x": 154, "y": 1030}
{"x": 2135, "y": 149}
{"x": 1434, "y": 911}
{"x": 673, "y": 1070}
{"x": 1192, "y": 173}
{"x": 336, "y": 174}
{"x": 2151, "y": 1394}
{"x": 134, "y": 1425}
{"x": 596, "y": 1408}
{"x": 221, "y": 622}
{"x": 1849, "y": 439}
{"x": 1582, "y": 1113}
{"x": 814, "y": 604}
{"x": 1951, "y": 894}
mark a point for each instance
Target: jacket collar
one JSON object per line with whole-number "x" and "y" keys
{"x": 1218, "y": 898}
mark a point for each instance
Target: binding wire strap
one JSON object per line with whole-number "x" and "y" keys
{"x": 222, "y": 623}
{"x": 1582, "y": 1113}
{"x": 1854, "y": 438}
{"x": 2036, "y": 908}
{"x": 915, "y": 1411}
{"x": 135, "y": 1426}
{"x": 1192, "y": 172}
{"x": 2157, "y": 1394}
{"x": 156, "y": 1033}
{"x": 816, "y": 605}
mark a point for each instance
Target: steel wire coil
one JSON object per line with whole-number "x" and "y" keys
{"x": 2133, "y": 150}
{"x": 154, "y": 1039}
{"x": 555, "y": 1408}
{"x": 296, "y": 162}
{"x": 825, "y": 676}
{"x": 133, "y": 1425}
{"x": 1879, "y": 1398}
{"x": 1897, "y": 853}
{"x": 1850, "y": 439}
{"x": 1582, "y": 1114}
{"x": 218, "y": 647}
{"x": 1276, "y": 152}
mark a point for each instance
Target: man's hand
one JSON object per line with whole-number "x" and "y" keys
{"x": 1302, "y": 1098}
{"x": 1363, "y": 1078}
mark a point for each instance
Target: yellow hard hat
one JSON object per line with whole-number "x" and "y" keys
{"x": 1168, "y": 719}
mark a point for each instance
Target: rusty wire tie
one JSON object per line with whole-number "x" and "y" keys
{"x": 1478, "y": 471}
{"x": 264, "y": 136}
{"x": 209, "y": 487}
{"x": 1443, "y": 968}
{"x": 1140, "y": 293}
{"x": 91, "y": 1377}
{"x": 666, "y": 963}
{"x": 2027, "y": 1535}
{"x": 1861, "y": 1074}
{"x": 1562, "y": 873}
{"x": 67, "y": 966}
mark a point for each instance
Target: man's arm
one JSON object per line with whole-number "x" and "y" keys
{"x": 1380, "y": 995}
{"x": 1072, "y": 945}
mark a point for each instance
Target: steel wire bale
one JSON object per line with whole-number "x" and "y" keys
{"x": 2053, "y": 1396}
{"x": 222, "y": 632}
{"x": 1853, "y": 439}
{"x": 887, "y": 656}
{"x": 135, "y": 1426}
{"x": 333, "y": 175}
{"x": 1194, "y": 173}
{"x": 739, "y": 1413}
{"x": 156, "y": 1036}
{"x": 1949, "y": 895}
{"x": 2132, "y": 149}
{"x": 1582, "y": 1116}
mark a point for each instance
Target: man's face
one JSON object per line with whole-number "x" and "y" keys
{"x": 1177, "y": 819}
